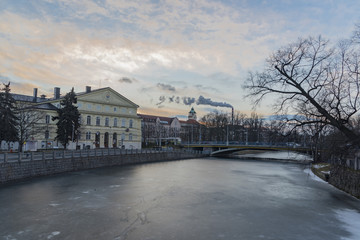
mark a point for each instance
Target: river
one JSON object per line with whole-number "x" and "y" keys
{"x": 210, "y": 198}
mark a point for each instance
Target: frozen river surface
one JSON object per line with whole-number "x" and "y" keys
{"x": 190, "y": 199}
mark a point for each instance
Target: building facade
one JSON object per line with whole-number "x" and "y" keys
{"x": 161, "y": 131}
{"x": 108, "y": 120}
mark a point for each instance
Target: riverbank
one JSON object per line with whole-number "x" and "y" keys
{"x": 343, "y": 178}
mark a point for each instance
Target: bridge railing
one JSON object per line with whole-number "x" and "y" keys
{"x": 239, "y": 143}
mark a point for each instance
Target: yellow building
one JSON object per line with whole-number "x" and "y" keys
{"x": 108, "y": 120}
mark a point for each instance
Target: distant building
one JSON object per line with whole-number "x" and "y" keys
{"x": 160, "y": 131}
{"x": 192, "y": 114}
{"x": 108, "y": 120}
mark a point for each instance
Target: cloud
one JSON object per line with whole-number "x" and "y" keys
{"x": 4, "y": 78}
{"x": 201, "y": 87}
{"x": 161, "y": 100}
{"x": 166, "y": 87}
{"x": 127, "y": 80}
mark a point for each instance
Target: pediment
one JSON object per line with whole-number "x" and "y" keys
{"x": 106, "y": 96}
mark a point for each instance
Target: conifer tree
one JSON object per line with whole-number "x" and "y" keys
{"x": 68, "y": 120}
{"x": 8, "y": 118}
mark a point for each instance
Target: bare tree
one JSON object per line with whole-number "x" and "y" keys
{"x": 315, "y": 80}
{"x": 27, "y": 123}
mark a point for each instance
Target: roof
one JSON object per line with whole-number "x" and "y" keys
{"x": 153, "y": 118}
{"x": 46, "y": 106}
{"x": 190, "y": 122}
{"x": 25, "y": 98}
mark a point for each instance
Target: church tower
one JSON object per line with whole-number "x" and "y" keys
{"x": 192, "y": 114}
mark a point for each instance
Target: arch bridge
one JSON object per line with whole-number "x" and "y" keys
{"x": 218, "y": 149}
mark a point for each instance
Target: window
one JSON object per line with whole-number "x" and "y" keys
{"x": 123, "y": 123}
{"x": 97, "y": 121}
{"x": 130, "y": 136}
{"x": 107, "y": 108}
{"x": 88, "y": 120}
{"x": 47, "y": 119}
{"x": 79, "y": 136}
{"x": 88, "y": 136}
{"x": 130, "y": 123}
{"x": 89, "y": 106}
{"x": 79, "y": 105}
{"x": 107, "y": 122}
{"x": 115, "y": 109}
{"x": 123, "y": 136}
{"x": 98, "y": 107}
{"x": 47, "y": 135}
{"x": 115, "y": 122}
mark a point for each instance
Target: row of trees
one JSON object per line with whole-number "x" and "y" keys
{"x": 240, "y": 128}
{"x": 19, "y": 121}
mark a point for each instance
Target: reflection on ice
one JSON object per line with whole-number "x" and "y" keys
{"x": 350, "y": 218}
{"x": 277, "y": 155}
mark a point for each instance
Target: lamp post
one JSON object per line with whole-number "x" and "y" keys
{"x": 227, "y": 135}
{"x": 72, "y": 134}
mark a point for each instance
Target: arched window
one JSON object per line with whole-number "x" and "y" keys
{"x": 88, "y": 120}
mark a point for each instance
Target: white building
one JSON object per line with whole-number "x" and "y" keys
{"x": 108, "y": 120}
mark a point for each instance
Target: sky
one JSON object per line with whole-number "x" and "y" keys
{"x": 165, "y": 56}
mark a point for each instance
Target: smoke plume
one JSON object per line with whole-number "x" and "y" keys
{"x": 191, "y": 100}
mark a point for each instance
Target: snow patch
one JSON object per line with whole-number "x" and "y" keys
{"x": 54, "y": 204}
{"x": 351, "y": 220}
{"x": 312, "y": 175}
{"x": 74, "y": 198}
{"x": 53, "y": 234}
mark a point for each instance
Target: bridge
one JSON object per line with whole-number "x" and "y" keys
{"x": 218, "y": 149}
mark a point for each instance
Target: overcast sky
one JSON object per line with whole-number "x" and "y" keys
{"x": 165, "y": 56}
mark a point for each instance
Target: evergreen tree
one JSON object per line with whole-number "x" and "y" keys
{"x": 8, "y": 118}
{"x": 68, "y": 120}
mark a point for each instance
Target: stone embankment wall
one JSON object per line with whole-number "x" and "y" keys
{"x": 32, "y": 167}
{"x": 346, "y": 179}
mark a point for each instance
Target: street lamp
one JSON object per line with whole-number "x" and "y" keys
{"x": 227, "y": 135}
{"x": 72, "y": 134}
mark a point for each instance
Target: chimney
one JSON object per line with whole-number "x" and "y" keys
{"x": 35, "y": 95}
{"x": 88, "y": 89}
{"x": 232, "y": 116}
{"x": 42, "y": 97}
{"x": 56, "y": 92}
